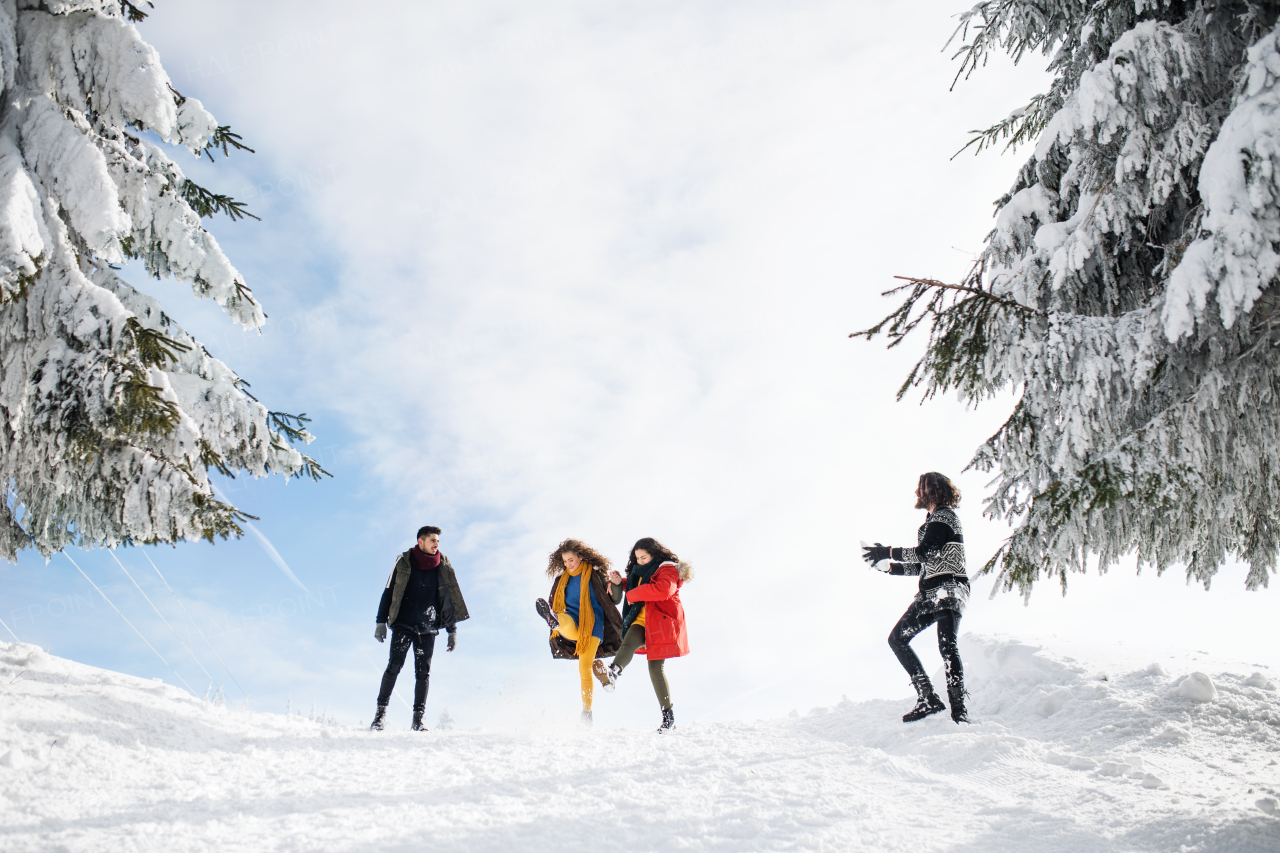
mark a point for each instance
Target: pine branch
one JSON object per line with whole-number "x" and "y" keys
{"x": 959, "y": 334}
{"x": 975, "y": 291}
{"x": 290, "y": 426}
{"x": 222, "y": 138}
{"x": 1022, "y": 125}
{"x": 219, "y": 519}
{"x": 243, "y": 386}
{"x": 991, "y": 19}
{"x": 154, "y": 348}
{"x": 206, "y": 203}
{"x": 292, "y": 429}
{"x": 312, "y": 468}
{"x": 210, "y": 458}
{"x": 133, "y": 13}
{"x": 144, "y": 410}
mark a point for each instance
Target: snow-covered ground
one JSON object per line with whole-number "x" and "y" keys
{"x": 1108, "y": 753}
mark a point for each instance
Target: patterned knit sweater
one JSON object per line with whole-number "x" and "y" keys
{"x": 938, "y": 559}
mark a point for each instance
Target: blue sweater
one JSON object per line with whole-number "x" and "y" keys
{"x": 573, "y": 594}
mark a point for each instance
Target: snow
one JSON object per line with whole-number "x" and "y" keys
{"x": 1240, "y": 185}
{"x": 1197, "y": 687}
{"x": 1103, "y": 754}
{"x": 82, "y": 187}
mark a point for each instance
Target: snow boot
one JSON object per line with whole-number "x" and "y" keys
{"x": 927, "y": 702}
{"x": 378, "y": 718}
{"x": 668, "y": 721}
{"x": 417, "y": 718}
{"x": 604, "y": 674}
{"x": 544, "y": 610}
{"x": 585, "y": 720}
{"x": 955, "y": 692}
{"x": 611, "y": 674}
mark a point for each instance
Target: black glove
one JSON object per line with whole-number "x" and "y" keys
{"x": 875, "y": 553}
{"x": 453, "y": 641}
{"x": 380, "y": 633}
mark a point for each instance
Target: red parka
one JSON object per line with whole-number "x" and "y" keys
{"x": 664, "y": 629}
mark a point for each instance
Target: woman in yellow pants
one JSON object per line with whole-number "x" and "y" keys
{"x": 585, "y": 623}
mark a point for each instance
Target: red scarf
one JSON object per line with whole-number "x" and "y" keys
{"x": 423, "y": 560}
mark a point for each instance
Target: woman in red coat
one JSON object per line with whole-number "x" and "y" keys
{"x": 653, "y": 620}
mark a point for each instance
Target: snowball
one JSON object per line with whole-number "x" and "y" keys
{"x": 1197, "y": 687}
{"x": 1258, "y": 680}
{"x": 1269, "y": 805}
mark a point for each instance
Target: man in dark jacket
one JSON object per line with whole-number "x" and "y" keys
{"x": 421, "y": 595}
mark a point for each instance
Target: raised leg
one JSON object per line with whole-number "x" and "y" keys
{"x": 632, "y": 641}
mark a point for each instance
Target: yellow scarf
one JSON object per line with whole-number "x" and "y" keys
{"x": 586, "y": 614}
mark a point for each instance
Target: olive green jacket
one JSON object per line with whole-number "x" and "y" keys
{"x": 452, "y": 608}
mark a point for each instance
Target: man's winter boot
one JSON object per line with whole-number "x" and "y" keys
{"x": 604, "y": 674}
{"x": 668, "y": 720}
{"x": 955, "y": 692}
{"x": 585, "y": 720}
{"x": 378, "y": 718}
{"x": 544, "y": 610}
{"x": 927, "y": 701}
{"x": 417, "y": 718}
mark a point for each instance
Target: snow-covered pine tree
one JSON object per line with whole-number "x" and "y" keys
{"x": 110, "y": 414}
{"x": 1127, "y": 290}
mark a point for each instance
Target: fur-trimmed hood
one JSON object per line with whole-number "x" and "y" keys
{"x": 686, "y": 570}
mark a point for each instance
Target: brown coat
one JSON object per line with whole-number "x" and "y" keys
{"x": 567, "y": 649}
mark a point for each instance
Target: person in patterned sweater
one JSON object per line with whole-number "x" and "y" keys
{"x": 938, "y": 559}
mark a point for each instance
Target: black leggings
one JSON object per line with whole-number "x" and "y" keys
{"x": 423, "y": 646}
{"x": 915, "y": 620}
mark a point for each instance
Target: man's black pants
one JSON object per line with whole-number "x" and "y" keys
{"x": 915, "y": 620}
{"x": 423, "y": 646}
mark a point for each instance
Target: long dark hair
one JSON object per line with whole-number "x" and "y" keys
{"x": 659, "y": 552}
{"x": 937, "y": 489}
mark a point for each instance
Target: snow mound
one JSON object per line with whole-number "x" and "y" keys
{"x": 1062, "y": 756}
{"x": 1197, "y": 687}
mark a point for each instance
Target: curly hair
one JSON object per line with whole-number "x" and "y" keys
{"x": 659, "y": 552}
{"x": 587, "y": 554}
{"x": 937, "y": 489}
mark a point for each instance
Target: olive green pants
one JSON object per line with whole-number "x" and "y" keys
{"x": 632, "y": 641}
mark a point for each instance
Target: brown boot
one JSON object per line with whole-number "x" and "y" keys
{"x": 603, "y": 674}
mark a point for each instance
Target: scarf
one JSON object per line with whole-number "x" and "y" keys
{"x": 586, "y": 614}
{"x": 423, "y": 560}
{"x": 636, "y": 575}
{"x": 639, "y": 574}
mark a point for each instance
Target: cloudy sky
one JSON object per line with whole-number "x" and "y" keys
{"x": 539, "y": 270}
